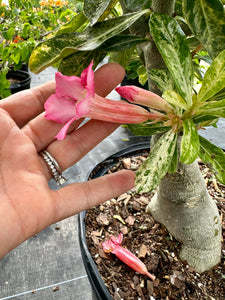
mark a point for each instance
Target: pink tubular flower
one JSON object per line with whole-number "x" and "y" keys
{"x": 141, "y": 96}
{"x": 114, "y": 246}
{"x": 75, "y": 98}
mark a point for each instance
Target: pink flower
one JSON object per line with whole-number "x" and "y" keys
{"x": 114, "y": 246}
{"x": 141, "y": 96}
{"x": 75, "y": 98}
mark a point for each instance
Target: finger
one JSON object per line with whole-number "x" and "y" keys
{"x": 107, "y": 78}
{"x": 80, "y": 142}
{"x": 77, "y": 197}
{"x": 25, "y": 105}
{"x": 42, "y": 131}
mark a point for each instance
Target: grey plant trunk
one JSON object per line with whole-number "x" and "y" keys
{"x": 183, "y": 205}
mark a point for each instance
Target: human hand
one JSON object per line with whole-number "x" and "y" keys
{"x": 27, "y": 203}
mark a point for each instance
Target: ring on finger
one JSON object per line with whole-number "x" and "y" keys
{"x": 53, "y": 166}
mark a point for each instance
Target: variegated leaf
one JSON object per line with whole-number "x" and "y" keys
{"x": 155, "y": 167}
{"x": 189, "y": 148}
{"x": 174, "y": 162}
{"x": 104, "y": 30}
{"x": 94, "y": 9}
{"x": 175, "y": 99}
{"x": 214, "y": 108}
{"x": 162, "y": 79}
{"x": 119, "y": 43}
{"x": 49, "y": 52}
{"x": 147, "y": 128}
{"x": 204, "y": 120}
{"x": 214, "y": 79}
{"x": 76, "y": 24}
{"x": 75, "y": 63}
{"x": 213, "y": 157}
{"x": 206, "y": 19}
{"x": 173, "y": 46}
{"x": 134, "y": 5}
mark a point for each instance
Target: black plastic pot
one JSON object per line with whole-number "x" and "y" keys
{"x": 19, "y": 80}
{"x": 99, "y": 290}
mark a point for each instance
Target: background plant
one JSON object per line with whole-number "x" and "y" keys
{"x": 172, "y": 39}
{"x": 22, "y": 25}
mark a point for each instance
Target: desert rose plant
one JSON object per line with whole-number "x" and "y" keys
{"x": 172, "y": 38}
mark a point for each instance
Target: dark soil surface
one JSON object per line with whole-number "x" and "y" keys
{"x": 152, "y": 243}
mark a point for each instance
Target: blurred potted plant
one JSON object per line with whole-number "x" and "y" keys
{"x": 171, "y": 38}
{"x": 23, "y": 24}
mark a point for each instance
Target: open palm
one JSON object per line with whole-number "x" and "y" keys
{"x": 27, "y": 204}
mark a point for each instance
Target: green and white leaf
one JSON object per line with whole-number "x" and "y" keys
{"x": 76, "y": 24}
{"x": 147, "y": 128}
{"x": 123, "y": 57}
{"x": 134, "y": 5}
{"x": 175, "y": 99}
{"x": 94, "y": 9}
{"x": 102, "y": 31}
{"x": 173, "y": 46}
{"x": 155, "y": 167}
{"x": 121, "y": 42}
{"x": 206, "y": 19}
{"x": 213, "y": 157}
{"x": 49, "y": 52}
{"x": 219, "y": 96}
{"x": 214, "y": 108}
{"x": 214, "y": 79}
{"x": 162, "y": 79}
{"x": 174, "y": 162}
{"x": 204, "y": 120}
{"x": 189, "y": 148}
{"x": 75, "y": 63}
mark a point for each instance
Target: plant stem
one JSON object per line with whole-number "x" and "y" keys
{"x": 153, "y": 59}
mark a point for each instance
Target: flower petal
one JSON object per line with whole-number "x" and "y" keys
{"x": 132, "y": 261}
{"x": 117, "y": 240}
{"x": 117, "y": 111}
{"x": 62, "y": 133}
{"x": 69, "y": 87}
{"x": 59, "y": 109}
{"x": 87, "y": 79}
{"x": 108, "y": 246}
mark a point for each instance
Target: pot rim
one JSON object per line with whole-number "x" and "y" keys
{"x": 16, "y": 74}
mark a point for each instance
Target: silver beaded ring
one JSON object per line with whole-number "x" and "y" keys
{"x": 53, "y": 167}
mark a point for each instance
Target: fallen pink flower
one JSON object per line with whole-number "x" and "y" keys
{"x": 114, "y": 246}
{"x": 141, "y": 96}
{"x": 75, "y": 98}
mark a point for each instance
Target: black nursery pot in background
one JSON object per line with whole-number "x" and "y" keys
{"x": 19, "y": 80}
{"x": 99, "y": 289}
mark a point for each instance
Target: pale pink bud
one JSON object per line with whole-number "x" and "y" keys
{"x": 144, "y": 97}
